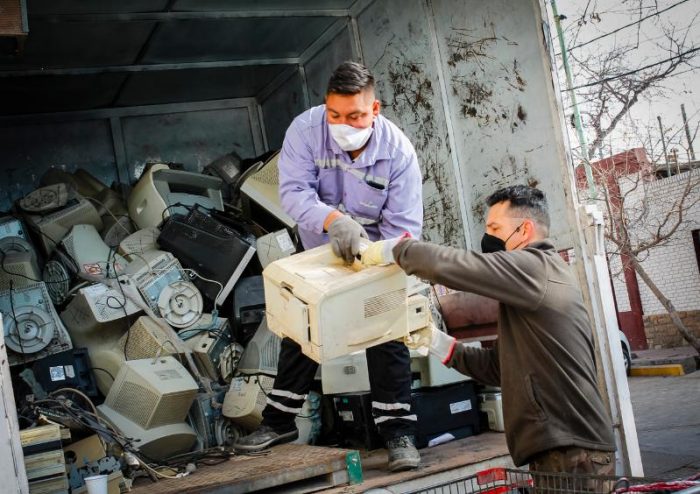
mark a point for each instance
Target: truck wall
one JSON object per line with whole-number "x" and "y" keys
{"x": 468, "y": 82}
{"x": 115, "y": 145}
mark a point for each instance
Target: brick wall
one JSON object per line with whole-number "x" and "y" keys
{"x": 673, "y": 267}
{"x": 661, "y": 333}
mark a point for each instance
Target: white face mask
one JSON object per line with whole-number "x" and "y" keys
{"x": 350, "y": 138}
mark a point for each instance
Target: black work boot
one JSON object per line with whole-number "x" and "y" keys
{"x": 264, "y": 437}
{"x": 403, "y": 454}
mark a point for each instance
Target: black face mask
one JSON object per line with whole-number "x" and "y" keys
{"x": 490, "y": 243}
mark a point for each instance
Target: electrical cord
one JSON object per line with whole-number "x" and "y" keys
{"x": 77, "y": 392}
{"x": 105, "y": 371}
{"x": 96, "y": 423}
{"x": 111, "y": 213}
{"x": 631, "y": 72}
{"x": 22, "y": 275}
{"x": 638, "y": 21}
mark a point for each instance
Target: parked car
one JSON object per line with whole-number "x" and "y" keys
{"x": 626, "y": 353}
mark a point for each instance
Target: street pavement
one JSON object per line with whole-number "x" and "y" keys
{"x": 667, "y": 414}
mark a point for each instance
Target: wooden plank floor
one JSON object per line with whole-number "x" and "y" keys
{"x": 282, "y": 465}
{"x": 455, "y": 455}
{"x": 288, "y": 463}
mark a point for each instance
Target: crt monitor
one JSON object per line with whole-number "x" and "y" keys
{"x": 211, "y": 249}
{"x": 149, "y": 401}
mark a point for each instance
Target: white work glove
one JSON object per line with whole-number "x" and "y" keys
{"x": 381, "y": 251}
{"x": 344, "y": 234}
{"x": 439, "y": 344}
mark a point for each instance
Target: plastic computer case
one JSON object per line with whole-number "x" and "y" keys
{"x": 166, "y": 288}
{"x": 96, "y": 318}
{"x": 149, "y": 402}
{"x": 331, "y": 309}
{"x": 82, "y": 253}
{"x": 51, "y": 229}
{"x": 12, "y": 227}
{"x": 260, "y": 192}
{"x": 18, "y": 270}
{"x": 210, "y": 248}
{"x": 139, "y": 242}
{"x": 262, "y": 353}
{"x": 160, "y": 189}
{"x": 246, "y": 399}
{"x": 71, "y": 369}
{"x": 354, "y": 422}
{"x": 349, "y": 374}
{"x": 208, "y": 340}
{"x": 452, "y": 411}
{"x": 206, "y": 417}
{"x": 248, "y": 308}
{"x": 274, "y": 246}
{"x": 33, "y": 329}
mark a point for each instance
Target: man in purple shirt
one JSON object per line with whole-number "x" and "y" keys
{"x": 348, "y": 173}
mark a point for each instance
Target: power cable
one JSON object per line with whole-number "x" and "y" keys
{"x": 638, "y": 21}
{"x": 630, "y": 72}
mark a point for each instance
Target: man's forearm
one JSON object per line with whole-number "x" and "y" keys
{"x": 478, "y": 363}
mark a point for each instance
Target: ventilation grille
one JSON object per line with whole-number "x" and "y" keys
{"x": 145, "y": 341}
{"x": 134, "y": 402}
{"x": 271, "y": 353}
{"x": 69, "y": 245}
{"x": 386, "y": 302}
{"x": 172, "y": 409}
{"x": 268, "y": 174}
{"x": 20, "y": 269}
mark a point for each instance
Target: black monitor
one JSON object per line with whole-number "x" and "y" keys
{"x": 210, "y": 248}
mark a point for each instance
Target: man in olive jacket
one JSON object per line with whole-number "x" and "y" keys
{"x": 543, "y": 359}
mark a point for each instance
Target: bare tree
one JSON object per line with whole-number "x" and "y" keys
{"x": 614, "y": 73}
{"x": 638, "y": 221}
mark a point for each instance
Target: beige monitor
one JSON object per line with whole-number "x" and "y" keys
{"x": 149, "y": 402}
{"x": 262, "y": 187}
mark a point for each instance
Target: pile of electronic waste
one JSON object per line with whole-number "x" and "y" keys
{"x": 138, "y": 319}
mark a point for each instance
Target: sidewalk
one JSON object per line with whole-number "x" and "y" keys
{"x": 668, "y": 424}
{"x": 685, "y": 356}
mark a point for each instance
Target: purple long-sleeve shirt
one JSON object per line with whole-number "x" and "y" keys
{"x": 381, "y": 189}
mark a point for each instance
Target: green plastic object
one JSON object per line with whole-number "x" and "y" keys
{"x": 354, "y": 465}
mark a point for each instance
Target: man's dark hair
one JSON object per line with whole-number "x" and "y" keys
{"x": 350, "y": 78}
{"x": 526, "y": 202}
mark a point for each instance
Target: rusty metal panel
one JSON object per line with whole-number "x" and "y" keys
{"x": 499, "y": 90}
{"x": 280, "y": 108}
{"x": 192, "y": 138}
{"x": 269, "y": 5}
{"x": 180, "y": 86}
{"x": 38, "y": 94}
{"x": 80, "y": 6}
{"x": 234, "y": 39}
{"x": 319, "y": 68}
{"x": 27, "y": 151}
{"x": 81, "y": 44}
{"x": 396, "y": 43}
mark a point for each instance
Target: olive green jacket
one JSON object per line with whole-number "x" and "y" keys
{"x": 543, "y": 358}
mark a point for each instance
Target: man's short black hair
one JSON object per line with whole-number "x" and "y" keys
{"x": 526, "y": 202}
{"x": 350, "y": 78}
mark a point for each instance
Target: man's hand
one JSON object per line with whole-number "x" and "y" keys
{"x": 381, "y": 251}
{"x": 344, "y": 234}
{"x": 439, "y": 344}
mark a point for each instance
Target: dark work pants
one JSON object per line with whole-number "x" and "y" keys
{"x": 389, "y": 366}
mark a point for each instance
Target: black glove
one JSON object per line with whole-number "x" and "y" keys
{"x": 344, "y": 235}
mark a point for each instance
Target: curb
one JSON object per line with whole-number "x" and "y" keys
{"x": 657, "y": 370}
